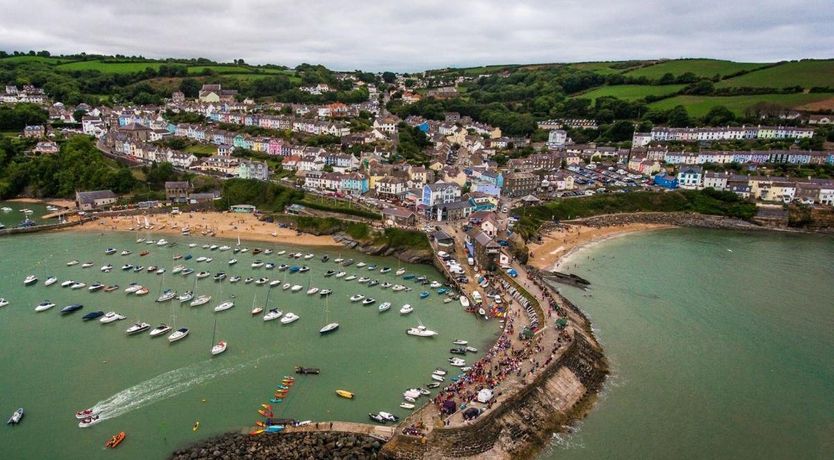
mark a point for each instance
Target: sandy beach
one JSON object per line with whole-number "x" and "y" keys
{"x": 561, "y": 243}
{"x": 224, "y": 225}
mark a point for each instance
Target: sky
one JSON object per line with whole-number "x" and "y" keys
{"x": 412, "y": 35}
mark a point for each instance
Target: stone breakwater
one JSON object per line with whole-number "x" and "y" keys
{"x": 680, "y": 219}
{"x": 314, "y": 445}
{"x": 383, "y": 249}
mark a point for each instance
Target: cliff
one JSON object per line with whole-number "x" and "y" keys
{"x": 381, "y": 247}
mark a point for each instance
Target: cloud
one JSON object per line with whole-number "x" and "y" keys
{"x": 420, "y": 34}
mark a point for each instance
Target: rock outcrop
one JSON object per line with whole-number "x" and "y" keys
{"x": 309, "y": 445}
{"x": 409, "y": 255}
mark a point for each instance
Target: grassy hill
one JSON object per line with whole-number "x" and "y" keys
{"x": 806, "y": 74}
{"x": 700, "y": 67}
{"x": 109, "y": 67}
{"x": 698, "y": 106}
{"x": 630, "y": 92}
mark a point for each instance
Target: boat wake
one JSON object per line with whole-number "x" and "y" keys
{"x": 164, "y": 386}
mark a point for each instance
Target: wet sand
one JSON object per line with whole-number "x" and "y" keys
{"x": 558, "y": 245}
{"x": 223, "y": 224}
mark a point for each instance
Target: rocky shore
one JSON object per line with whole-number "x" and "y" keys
{"x": 312, "y": 445}
{"x": 415, "y": 256}
{"x": 679, "y": 219}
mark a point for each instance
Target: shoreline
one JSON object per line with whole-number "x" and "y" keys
{"x": 554, "y": 253}
{"x": 60, "y": 202}
{"x": 222, "y": 224}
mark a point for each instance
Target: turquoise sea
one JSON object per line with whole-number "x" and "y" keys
{"x": 721, "y": 346}
{"x": 54, "y": 365}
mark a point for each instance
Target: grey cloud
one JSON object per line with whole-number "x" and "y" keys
{"x": 418, "y": 34}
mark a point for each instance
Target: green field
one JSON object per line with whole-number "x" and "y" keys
{"x": 630, "y": 92}
{"x": 202, "y": 149}
{"x": 21, "y": 59}
{"x": 802, "y": 73}
{"x": 698, "y": 106}
{"x": 700, "y": 67}
{"x": 602, "y": 68}
{"x": 109, "y": 67}
{"x": 221, "y": 68}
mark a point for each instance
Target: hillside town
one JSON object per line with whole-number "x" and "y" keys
{"x": 460, "y": 173}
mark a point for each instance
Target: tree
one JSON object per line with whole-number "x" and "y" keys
{"x": 389, "y": 77}
{"x": 78, "y": 115}
{"x": 719, "y": 115}
{"x": 620, "y": 131}
{"x": 190, "y": 87}
{"x": 679, "y": 117}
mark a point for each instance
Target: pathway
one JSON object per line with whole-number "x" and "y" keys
{"x": 377, "y": 431}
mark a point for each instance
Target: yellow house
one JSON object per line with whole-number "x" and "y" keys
{"x": 436, "y": 166}
{"x": 457, "y": 137}
{"x": 495, "y": 133}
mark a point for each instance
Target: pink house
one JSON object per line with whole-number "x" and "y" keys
{"x": 275, "y": 146}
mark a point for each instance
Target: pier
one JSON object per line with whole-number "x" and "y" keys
{"x": 381, "y": 432}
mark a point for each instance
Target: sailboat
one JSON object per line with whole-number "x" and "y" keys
{"x": 167, "y": 294}
{"x": 180, "y": 333}
{"x": 329, "y": 327}
{"x": 257, "y": 310}
{"x": 220, "y": 346}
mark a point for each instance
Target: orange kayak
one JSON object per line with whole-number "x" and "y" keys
{"x": 115, "y": 440}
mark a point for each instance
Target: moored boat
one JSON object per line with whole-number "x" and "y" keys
{"x": 71, "y": 308}
{"x": 110, "y": 317}
{"x": 290, "y": 317}
{"x": 272, "y": 314}
{"x": 89, "y": 421}
{"x": 421, "y": 331}
{"x": 16, "y": 417}
{"x": 43, "y": 306}
{"x": 224, "y": 306}
{"x": 113, "y": 442}
{"x": 30, "y": 280}
{"x": 92, "y": 315}
{"x": 50, "y": 281}
{"x": 385, "y": 306}
{"x": 329, "y": 328}
{"x": 137, "y": 328}
{"x": 406, "y": 309}
{"x": 345, "y": 394}
{"x": 179, "y": 334}
{"x": 159, "y": 330}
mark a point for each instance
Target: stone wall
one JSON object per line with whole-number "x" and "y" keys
{"x": 680, "y": 219}
{"x": 523, "y": 424}
{"x": 37, "y": 228}
{"x": 308, "y": 445}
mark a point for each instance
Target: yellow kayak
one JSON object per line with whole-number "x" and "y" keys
{"x": 345, "y": 394}
{"x": 196, "y": 426}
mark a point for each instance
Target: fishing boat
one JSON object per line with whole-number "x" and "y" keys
{"x": 137, "y": 328}
{"x": 111, "y": 316}
{"x": 114, "y": 442}
{"x": 424, "y": 294}
{"x": 179, "y": 334}
{"x": 78, "y": 285}
{"x": 368, "y": 301}
{"x": 399, "y": 271}
{"x": 71, "y": 308}
{"x": 385, "y": 306}
{"x": 290, "y": 317}
{"x": 92, "y": 315}
{"x": 43, "y": 306}
{"x": 272, "y": 314}
{"x": 159, "y": 330}
{"x": 356, "y": 297}
{"x": 72, "y": 262}
{"x": 345, "y": 394}
{"x": 406, "y": 309}
{"x": 224, "y": 306}
{"x": 30, "y": 280}
{"x": 16, "y": 417}
{"x": 89, "y": 421}
{"x": 201, "y": 300}
{"x": 421, "y": 331}
{"x": 50, "y": 281}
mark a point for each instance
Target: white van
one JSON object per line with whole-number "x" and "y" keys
{"x": 470, "y": 261}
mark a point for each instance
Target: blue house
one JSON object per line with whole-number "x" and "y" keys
{"x": 666, "y": 181}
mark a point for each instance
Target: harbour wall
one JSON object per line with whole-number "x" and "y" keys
{"x": 680, "y": 219}
{"x": 38, "y": 228}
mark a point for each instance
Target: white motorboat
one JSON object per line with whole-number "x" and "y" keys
{"x": 30, "y": 280}
{"x": 412, "y": 393}
{"x": 286, "y": 286}
{"x": 289, "y": 318}
{"x": 398, "y": 288}
{"x": 457, "y": 362}
{"x": 384, "y": 270}
{"x": 361, "y": 264}
{"x": 159, "y": 271}
{"x": 192, "y": 245}
{"x": 177, "y": 269}
{"x": 110, "y": 317}
{"x": 67, "y": 283}
{"x": 201, "y": 275}
{"x": 179, "y": 334}
{"x": 224, "y": 248}
{"x": 137, "y": 328}
{"x": 309, "y": 256}
{"x": 166, "y": 295}
{"x": 6, "y": 209}
{"x": 363, "y": 280}
{"x": 185, "y": 296}
{"x": 261, "y": 281}
{"x": 257, "y": 264}
{"x": 464, "y": 301}
{"x": 159, "y": 330}
{"x": 368, "y": 301}
{"x": 248, "y": 280}
{"x": 106, "y": 268}
{"x": 274, "y": 283}
{"x": 385, "y": 306}
{"x": 325, "y": 292}
{"x": 267, "y": 251}
{"x": 439, "y": 371}
{"x": 400, "y": 271}
{"x": 447, "y": 299}
{"x": 78, "y": 285}
{"x": 126, "y": 267}
{"x": 421, "y": 331}
{"x": 50, "y": 281}
{"x": 340, "y": 274}
{"x": 460, "y": 342}
{"x": 234, "y": 279}
{"x": 86, "y": 265}
{"x": 125, "y": 253}
{"x": 89, "y": 421}
{"x": 356, "y": 297}
{"x": 435, "y": 284}
{"x": 162, "y": 242}
{"x": 350, "y": 278}
{"x": 385, "y": 285}
{"x": 142, "y": 291}
{"x": 224, "y": 306}
{"x": 298, "y": 255}
{"x": 213, "y": 247}
{"x": 3, "y": 302}
{"x": 43, "y": 306}
{"x": 296, "y": 288}
{"x": 233, "y": 261}
{"x": 406, "y": 309}
{"x": 72, "y": 262}
{"x": 201, "y": 300}
{"x": 95, "y": 287}
{"x": 312, "y": 290}
{"x": 201, "y": 259}
{"x": 338, "y": 260}
{"x": 329, "y": 328}
{"x": 272, "y": 314}
{"x": 407, "y": 405}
